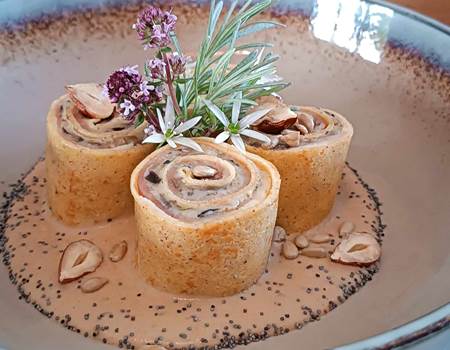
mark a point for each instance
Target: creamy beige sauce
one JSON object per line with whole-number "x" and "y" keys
{"x": 111, "y": 132}
{"x": 127, "y": 311}
{"x": 238, "y": 183}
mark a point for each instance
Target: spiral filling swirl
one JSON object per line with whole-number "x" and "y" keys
{"x": 110, "y": 132}
{"x": 326, "y": 123}
{"x": 189, "y": 186}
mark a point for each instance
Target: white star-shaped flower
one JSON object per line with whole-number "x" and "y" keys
{"x": 172, "y": 134}
{"x": 236, "y": 127}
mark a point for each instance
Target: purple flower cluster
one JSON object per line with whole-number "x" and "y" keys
{"x": 121, "y": 83}
{"x": 153, "y": 27}
{"x": 130, "y": 91}
{"x": 134, "y": 95}
{"x": 177, "y": 63}
{"x": 157, "y": 67}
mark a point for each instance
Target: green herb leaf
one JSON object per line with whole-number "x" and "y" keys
{"x": 253, "y": 46}
{"x": 163, "y": 51}
{"x": 183, "y": 80}
{"x": 139, "y": 120}
{"x": 257, "y": 27}
{"x": 220, "y": 74}
{"x": 215, "y": 13}
{"x": 176, "y": 43}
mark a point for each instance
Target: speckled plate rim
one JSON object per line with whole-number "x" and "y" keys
{"x": 416, "y": 330}
{"x": 439, "y": 319}
{"x": 422, "y": 327}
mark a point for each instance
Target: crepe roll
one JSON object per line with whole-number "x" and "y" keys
{"x": 309, "y": 151}
{"x": 205, "y": 220}
{"x": 90, "y": 155}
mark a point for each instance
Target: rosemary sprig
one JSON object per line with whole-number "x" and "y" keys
{"x": 223, "y": 68}
{"x": 215, "y": 77}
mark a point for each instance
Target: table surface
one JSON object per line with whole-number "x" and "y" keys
{"x": 437, "y": 9}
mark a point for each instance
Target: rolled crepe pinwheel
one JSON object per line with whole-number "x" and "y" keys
{"x": 90, "y": 154}
{"x": 310, "y": 156}
{"x": 205, "y": 220}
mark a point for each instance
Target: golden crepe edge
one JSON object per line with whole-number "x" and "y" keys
{"x": 87, "y": 185}
{"x": 310, "y": 175}
{"x": 216, "y": 257}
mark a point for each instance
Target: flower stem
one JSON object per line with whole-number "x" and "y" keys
{"x": 170, "y": 85}
{"x": 151, "y": 118}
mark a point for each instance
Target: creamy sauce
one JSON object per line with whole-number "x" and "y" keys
{"x": 129, "y": 312}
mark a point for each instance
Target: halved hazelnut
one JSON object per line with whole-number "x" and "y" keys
{"x": 307, "y": 120}
{"x": 78, "y": 259}
{"x": 357, "y": 249}
{"x": 118, "y": 251}
{"x": 314, "y": 252}
{"x": 321, "y": 238}
{"x": 203, "y": 171}
{"x": 290, "y": 138}
{"x": 274, "y": 141}
{"x": 279, "y": 234}
{"x": 280, "y": 118}
{"x": 300, "y": 127}
{"x": 93, "y": 284}
{"x": 301, "y": 241}
{"x": 90, "y": 100}
{"x": 289, "y": 250}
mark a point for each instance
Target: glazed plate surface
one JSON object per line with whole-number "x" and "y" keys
{"x": 386, "y": 70}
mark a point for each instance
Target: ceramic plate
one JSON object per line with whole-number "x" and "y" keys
{"x": 386, "y": 69}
